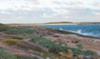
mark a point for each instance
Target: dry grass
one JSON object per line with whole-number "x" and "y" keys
{"x": 11, "y": 41}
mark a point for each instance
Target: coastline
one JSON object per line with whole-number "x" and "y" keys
{"x": 73, "y": 32}
{"x": 70, "y": 32}
{"x": 67, "y": 37}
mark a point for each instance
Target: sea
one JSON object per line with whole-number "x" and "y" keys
{"x": 87, "y": 30}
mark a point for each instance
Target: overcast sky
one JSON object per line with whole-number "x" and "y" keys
{"x": 38, "y": 11}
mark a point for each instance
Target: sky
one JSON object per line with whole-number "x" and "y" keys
{"x": 41, "y": 11}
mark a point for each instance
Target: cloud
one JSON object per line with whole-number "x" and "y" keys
{"x": 49, "y": 10}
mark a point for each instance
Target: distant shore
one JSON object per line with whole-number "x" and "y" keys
{"x": 60, "y": 24}
{"x": 72, "y": 23}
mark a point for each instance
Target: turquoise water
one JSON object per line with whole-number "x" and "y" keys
{"x": 88, "y": 30}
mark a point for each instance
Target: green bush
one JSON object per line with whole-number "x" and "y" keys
{"x": 76, "y": 51}
{"x": 55, "y": 48}
{"x": 89, "y": 53}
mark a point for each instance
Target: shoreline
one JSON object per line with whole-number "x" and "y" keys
{"x": 84, "y": 35}
{"x": 69, "y": 32}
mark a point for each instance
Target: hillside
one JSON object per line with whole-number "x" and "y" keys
{"x": 38, "y": 42}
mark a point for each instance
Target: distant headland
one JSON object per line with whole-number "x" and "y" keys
{"x": 72, "y": 23}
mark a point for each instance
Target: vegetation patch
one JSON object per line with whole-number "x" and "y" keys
{"x": 20, "y": 31}
{"x": 16, "y": 37}
{"x": 4, "y": 27}
{"x": 11, "y": 41}
{"x": 6, "y": 55}
{"x": 55, "y": 48}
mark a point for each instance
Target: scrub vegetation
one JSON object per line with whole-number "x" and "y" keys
{"x": 28, "y": 41}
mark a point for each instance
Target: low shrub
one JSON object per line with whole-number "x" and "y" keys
{"x": 20, "y": 31}
{"x": 11, "y": 41}
{"x": 6, "y": 55}
{"x": 55, "y": 48}
{"x": 16, "y": 37}
{"x": 88, "y": 53}
{"x": 4, "y": 27}
{"x": 77, "y": 51}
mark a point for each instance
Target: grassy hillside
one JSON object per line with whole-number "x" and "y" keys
{"x": 32, "y": 43}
